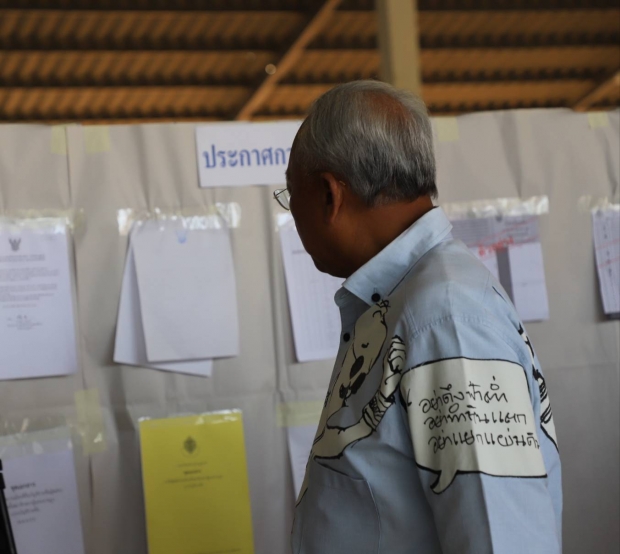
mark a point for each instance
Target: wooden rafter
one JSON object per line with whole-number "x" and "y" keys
{"x": 599, "y": 91}
{"x": 288, "y": 60}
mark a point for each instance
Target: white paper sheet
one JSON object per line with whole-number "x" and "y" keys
{"x": 528, "y": 281}
{"x": 37, "y": 327}
{"x": 315, "y": 316}
{"x": 188, "y": 297}
{"x": 510, "y": 248}
{"x": 42, "y": 498}
{"x": 233, "y": 154}
{"x": 300, "y": 441}
{"x": 496, "y": 232}
{"x": 130, "y": 347}
{"x": 606, "y": 232}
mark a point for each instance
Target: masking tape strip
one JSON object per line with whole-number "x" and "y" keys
{"x": 216, "y": 216}
{"x": 90, "y": 421}
{"x": 96, "y": 138}
{"x": 296, "y": 414}
{"x": 598, "y": 119}
{"x": 35, "y": 442}
{"x": 45, "y": 221}
{"x": 535, "y": 205}
{"x": 58, "y": 140}
{"x": 594, "y": 204}
{"x": 446, "y": 129}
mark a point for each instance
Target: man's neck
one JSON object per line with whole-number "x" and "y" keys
{"x": 382, "y": 224}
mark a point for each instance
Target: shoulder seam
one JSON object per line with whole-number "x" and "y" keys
{"x": 414, "y": 333}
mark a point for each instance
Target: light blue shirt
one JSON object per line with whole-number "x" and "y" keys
{"x": 437, "y": 434}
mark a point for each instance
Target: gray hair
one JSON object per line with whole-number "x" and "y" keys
{"x": 373, "y": 136}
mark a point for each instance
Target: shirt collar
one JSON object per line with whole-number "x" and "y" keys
{"x": 378, "y": 277}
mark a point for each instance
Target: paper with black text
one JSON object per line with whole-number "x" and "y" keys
{"x": 195, "y": 481}
{"x": 315, "y": 316}
{"x": 188, "y": 297}
{"x": 606, "y": 232}
{"x": 37, "y": 326}
{"x": 42, "y": 498}
{"x": 130, "y": 347}
{"x": 529, "y": 289}
{"x": 510, "y": 248}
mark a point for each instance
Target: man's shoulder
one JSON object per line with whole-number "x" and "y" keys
{"x": 447, "y": 282}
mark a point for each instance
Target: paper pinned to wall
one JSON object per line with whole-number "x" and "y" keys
{"x": 509, "y": 246}
{"x": 187, "y": 291}
{"x": 234, "y": 154}
{"x": 130, "y": 346}
{"x": 196, "y": 491}
{"x": 315, "y": 316}
{"x": 300, "y": 441}
{"x": 37, "y": 325}
{"x": 42, "y": 498}
{"x": 606, "y": 233}
{"x": 529, "y": 289}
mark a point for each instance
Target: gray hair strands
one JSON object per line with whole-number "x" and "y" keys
{"x": 373, "y": 136}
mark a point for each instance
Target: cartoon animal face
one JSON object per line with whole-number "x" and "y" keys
{"x": 368, "y": 340}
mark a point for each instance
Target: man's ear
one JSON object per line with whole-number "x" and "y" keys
{"x": 333, "y": 190}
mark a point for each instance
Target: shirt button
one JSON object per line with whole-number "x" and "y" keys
{"x": 376, "y": 297}
{"x": 346, "y": 337}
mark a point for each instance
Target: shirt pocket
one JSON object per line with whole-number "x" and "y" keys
{"x": 340, "y": 516}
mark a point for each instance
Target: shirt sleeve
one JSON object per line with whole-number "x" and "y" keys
{"x": 473, "y": 411}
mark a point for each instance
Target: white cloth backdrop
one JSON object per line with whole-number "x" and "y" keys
{"x": 501, "y": 154}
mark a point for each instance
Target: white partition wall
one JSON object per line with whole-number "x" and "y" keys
{"x": 97, "y": 172}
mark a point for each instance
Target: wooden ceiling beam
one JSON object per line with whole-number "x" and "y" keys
{"x": 71, "y": 30}
{"x": 462, "y": 97}
{"x": 486, "y": 28}
{"x": 109, "y": 68}
{"x": 601, "y": 90}
{"x": 287, "y": 61}
{"x": 88, "y": 103}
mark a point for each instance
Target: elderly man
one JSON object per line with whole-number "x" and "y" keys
{"x": 436, "y": 435}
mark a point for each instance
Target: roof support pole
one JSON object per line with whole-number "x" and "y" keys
{"x": 399, "y": 44}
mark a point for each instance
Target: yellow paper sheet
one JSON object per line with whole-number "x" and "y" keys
{"x": 196, "y": 485}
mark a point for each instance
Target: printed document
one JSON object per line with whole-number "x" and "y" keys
{"x": 195, "y": 480}
{"x": 300, "y": 439}
{"x": 130, "y": 347}
{"x": 42, "y": 497}
{"x": 187, "y": 290}
{"x": 606, "y": 232}
{"x": 510, "y": 249}
{"x": 37, "y": 326}
{"x": 315, "y": 316}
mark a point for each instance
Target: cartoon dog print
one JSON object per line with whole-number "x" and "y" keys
{"x": 369, "y": 338}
